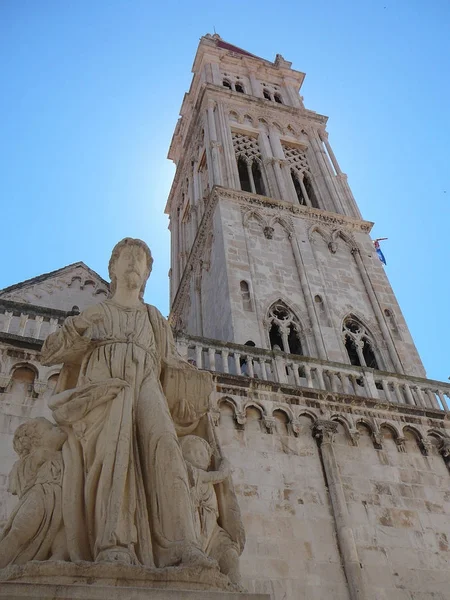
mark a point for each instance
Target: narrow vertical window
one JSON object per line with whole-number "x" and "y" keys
{"x": 239, "y": 88}
{"x": 245, "y": 295}
{"x": 244, "y": 177}
{"x": 267, "y": 95}
{"x": 226, "y": 84}
{"x": 298, "y": 188}
{"x": 310, "y": 191}
{"x": 277, "y": 98}
{"x": 257, "y": 178}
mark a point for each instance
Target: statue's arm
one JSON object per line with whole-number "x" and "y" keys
{"x": 70, "y": 342}
{"x": 218, "y": 476}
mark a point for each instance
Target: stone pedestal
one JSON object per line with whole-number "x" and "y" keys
{"x": 42, "y": 591}
{"x": 48, "y": 580}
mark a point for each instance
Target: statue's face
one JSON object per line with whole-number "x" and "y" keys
{"x": 53, "y": 437}
{"x": 131, "y": 267}
{"x": 197, "y": 454}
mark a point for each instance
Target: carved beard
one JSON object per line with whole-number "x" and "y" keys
{"x": 133, "y": 280}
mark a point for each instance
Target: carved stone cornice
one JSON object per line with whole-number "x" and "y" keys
{"x": 324, "y": 431}
{"x": 313, "y": 214}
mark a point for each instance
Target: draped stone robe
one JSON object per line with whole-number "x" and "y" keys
{"x": 125, "y": 482}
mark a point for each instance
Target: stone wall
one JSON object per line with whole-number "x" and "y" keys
{"x": 382, "y": 494}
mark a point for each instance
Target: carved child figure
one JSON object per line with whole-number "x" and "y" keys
{"x": 214, "y": 540}
{"x": 34, "y": 529}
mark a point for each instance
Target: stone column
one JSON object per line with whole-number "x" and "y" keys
{"x": 231, "y": 171}
{"x": 308, "y": 299}
{"x": 266, "y": 155}
{"x": 22, "y": 324}
{"x": 214, "y": 145}
{"x": 324, "y": 432}
{"x": 377, "y": 311}
{"x": 341, "y": 179}
{"x": 256, "y": 88}
{"x": 329, "y": 201}
{"x": 8, "y": 319}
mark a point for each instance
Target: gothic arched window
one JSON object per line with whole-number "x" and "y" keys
{"x": 267, "y": 94}
{"x": 277, "y": 98}
{"x": 359, "y": 344}
{"x": 226, "y": 84}
{"x": 250, "y": 168}
{"x": 284, "y": 329}
{"x": 239, "y": 88}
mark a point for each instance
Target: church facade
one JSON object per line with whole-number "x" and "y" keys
{"x": 338, "y": 442}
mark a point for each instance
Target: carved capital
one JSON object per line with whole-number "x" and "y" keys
{"x": 40, "y": 387}
{"x": 215, "y": 416}
{"x": 4, "y": 381}
{"x": 377, "y": 440}
{"x": 400, "y": 441}
{"x": 426, "y": 447}
{"x": 444, "y": 449}
{"x": 269, "y": 424}
{"x": 241, "y": 420}
{"x": 268, "y": 232}
{"x": 355, "y": 251}
{"x": 332, "y": 247}
{"x": 324, "y": 431}
{"x": 354, "y": 436}
{"x": 294, "y": 427}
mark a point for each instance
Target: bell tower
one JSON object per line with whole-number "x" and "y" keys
{"x": 267, "y": 242}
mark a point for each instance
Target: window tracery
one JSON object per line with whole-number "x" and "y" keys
{"x": 284, "y": 329}
{"x": 301, "y": 176}
{"x": 359, "y": 344}
{"x": 249, "y": 164}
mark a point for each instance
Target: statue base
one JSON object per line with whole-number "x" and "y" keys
{"x": 107, "y": 581}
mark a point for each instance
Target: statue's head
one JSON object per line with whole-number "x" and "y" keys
{"x": 37, "y": 433}
{"x": 131, "y": 261}
{"x": 196, "y": 451}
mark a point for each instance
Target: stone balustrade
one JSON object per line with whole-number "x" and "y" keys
{"x": 302, "y": 371}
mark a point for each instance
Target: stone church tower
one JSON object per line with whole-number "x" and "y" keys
{"x": 339, "y": 446}
{"x": 268, "y": 244}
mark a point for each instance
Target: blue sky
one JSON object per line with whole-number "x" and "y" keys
{"x": 91, "y": 94}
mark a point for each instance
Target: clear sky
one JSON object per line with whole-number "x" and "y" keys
{"x": 91, "y": 93}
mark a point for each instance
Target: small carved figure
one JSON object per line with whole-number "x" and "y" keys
{"x": 214, "y": 540}
{"x": 34, "y": 529}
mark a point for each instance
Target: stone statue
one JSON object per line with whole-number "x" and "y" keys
{"x": 214, "y": 540}
{"x": 34, "y": 529}
{"x": 123, "y": 395}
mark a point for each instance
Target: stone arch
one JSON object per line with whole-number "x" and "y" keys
{"x": 286, "y": 225}
{"x": 256, "y": 405}
{"x": 392, "y": 429}
{"x": 291, "y": 131}
{"x": 345, "y": 236}
{"x": 254, "y": 415}
{"x": 284, "y": 328}
{"x": 360, "y": 342}
{"x": 233, "y": 116}
{"x": 282, "y": 421}
{"x": 24, "y": 365}
{"x": 255, "y": 214}
{"x": 305, "y": 412}
{"x": 22, "y": 379}
{"x": 248, "y": 118}
{"x": 323, "y": 231}
{"x": 413, "y": 431}
{"x": 278, "y": 127}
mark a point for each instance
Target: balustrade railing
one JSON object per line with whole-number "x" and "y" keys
{"x": 301, "y": 371}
